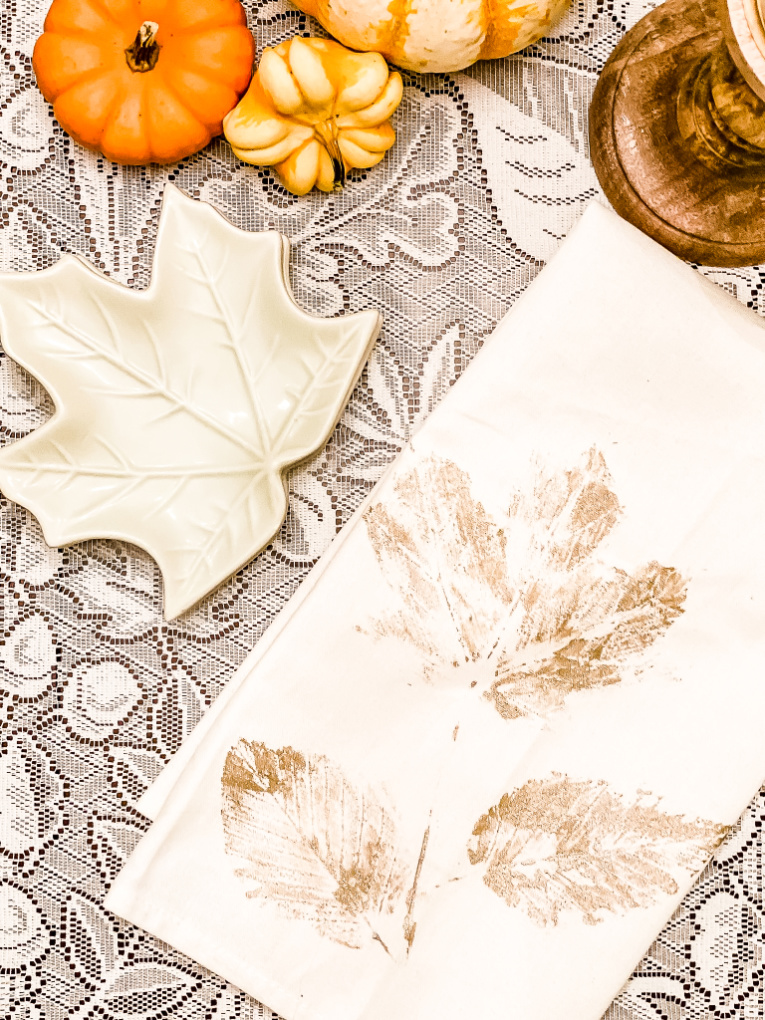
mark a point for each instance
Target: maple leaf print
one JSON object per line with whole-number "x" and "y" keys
{"x": 620, "y": 617}
{"x": 318, "y": 847}
{"x": 558, "y": 844}
{"x": 178, "y": 408}
{"x": 444, "y": 554}
{"x": 525, "y": 597}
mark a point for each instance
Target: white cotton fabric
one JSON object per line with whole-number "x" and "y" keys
{"x": 617, "y": 347}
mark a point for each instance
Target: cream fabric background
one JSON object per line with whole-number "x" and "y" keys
{"x": 490, "y": 170}
{"x": 663, "y": 380}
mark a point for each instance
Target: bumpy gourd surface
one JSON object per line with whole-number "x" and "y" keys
{"x": 314, "y": 111}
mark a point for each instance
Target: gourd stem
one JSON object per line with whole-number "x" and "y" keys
{"x": 143, "y": 53}
{"x": 328, "y": 138}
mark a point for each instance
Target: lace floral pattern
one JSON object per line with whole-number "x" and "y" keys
{"x": 490, "y": 170}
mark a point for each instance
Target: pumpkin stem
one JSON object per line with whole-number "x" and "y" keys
{"x": 143, "y": 52}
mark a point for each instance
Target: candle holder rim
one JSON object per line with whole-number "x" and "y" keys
{"x": 743, "y": 26}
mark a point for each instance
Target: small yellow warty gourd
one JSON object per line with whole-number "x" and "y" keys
{"x": 315, "y": 110}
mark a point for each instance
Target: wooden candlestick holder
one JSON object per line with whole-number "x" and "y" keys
{"x": 677, "y": 129}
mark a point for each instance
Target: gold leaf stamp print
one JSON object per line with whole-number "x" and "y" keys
{"x": 445, "y": 556}
{"x": 559, "y": 844}
{"x": 525, "y": 602}
{"x": 317, "y": 847}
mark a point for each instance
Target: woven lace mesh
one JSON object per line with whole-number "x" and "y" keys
{"x": 490, "y": 171}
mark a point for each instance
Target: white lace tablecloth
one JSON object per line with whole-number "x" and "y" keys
{"x": 490, "y": 170}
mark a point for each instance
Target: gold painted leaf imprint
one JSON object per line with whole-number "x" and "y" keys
{"x": 317, "y": 847}
{"x": 591, "y": 629}
{"x": 526, "y": 600}
{"x": 559, "y": 844}
{"x": 445, "y": 556}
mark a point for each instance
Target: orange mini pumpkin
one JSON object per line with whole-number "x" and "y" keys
{"x": 144, "y": 81}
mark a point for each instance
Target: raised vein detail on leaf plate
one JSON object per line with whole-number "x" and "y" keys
{"x": 178, "y": 408}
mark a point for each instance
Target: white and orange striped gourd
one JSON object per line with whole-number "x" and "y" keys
{"x": 436, "y": 35}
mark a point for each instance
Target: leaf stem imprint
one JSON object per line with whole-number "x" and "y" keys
{"x": 410, "y": 925}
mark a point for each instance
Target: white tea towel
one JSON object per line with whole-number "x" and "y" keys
{"x": 479, "y": 766}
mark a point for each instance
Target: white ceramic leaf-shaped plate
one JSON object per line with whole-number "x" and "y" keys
{"x": 179, "y": 408}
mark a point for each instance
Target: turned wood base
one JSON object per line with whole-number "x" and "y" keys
{"x": 665, "y": 138}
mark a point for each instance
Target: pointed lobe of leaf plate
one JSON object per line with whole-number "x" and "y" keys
{"x": 178, "y": 408}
